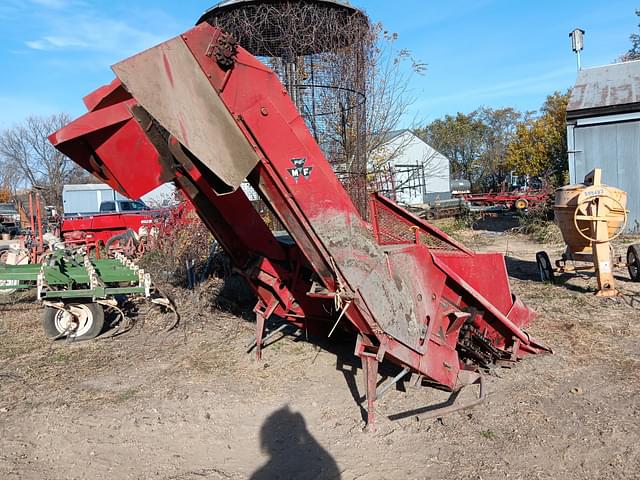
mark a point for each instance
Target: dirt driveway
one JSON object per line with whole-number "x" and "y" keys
{"x": 192, "y": 404}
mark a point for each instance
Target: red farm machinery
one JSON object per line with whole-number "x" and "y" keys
{"x": 202, "y": 112}
{"x": 512, "y": 200}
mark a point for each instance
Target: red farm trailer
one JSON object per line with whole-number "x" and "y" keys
{"x": 519, "y": 200}
{"x": 204, "y": 113}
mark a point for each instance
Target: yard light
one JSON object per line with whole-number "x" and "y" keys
{"x": 577, "y": 43}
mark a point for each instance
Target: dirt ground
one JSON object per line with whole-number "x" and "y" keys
{"x": 192, "y": 404}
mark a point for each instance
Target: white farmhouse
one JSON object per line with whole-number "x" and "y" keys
{"x": 410, "y": 171}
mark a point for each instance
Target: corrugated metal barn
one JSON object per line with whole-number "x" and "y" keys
{"x": 603, "y": 129}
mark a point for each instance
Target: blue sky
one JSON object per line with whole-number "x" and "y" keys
{"x": 494, "y": 53}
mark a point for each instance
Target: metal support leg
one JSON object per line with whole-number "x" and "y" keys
{"x": 259, "y": 334}
{"x": 262, "y": 314}
{"x": 370, "y": 368}
{"x": 268, "y": 337}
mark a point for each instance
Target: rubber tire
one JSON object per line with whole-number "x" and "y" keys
{"x": 49, "y": 323}
{"x": 545, "y": 269}
{"x": 521, "y": 204}
{"x": 633, "y": 262}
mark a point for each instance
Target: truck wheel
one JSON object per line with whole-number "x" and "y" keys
{"x": 544, "y": 267}
{"x": 633, "y": 262}
{"x": 81, "y": 321}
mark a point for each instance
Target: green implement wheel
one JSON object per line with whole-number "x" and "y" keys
{"x": 80, "y": 321}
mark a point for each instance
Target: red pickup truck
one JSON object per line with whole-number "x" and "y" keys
{"x": 117, "y": 220}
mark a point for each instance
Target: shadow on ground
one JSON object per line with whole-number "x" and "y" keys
{"x": 522, "y": 269}
{"x": 497, "y": 222}
{"x": 292, "y": 450}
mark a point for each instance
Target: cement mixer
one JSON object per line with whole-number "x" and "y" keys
{"x": 590, "y": 216}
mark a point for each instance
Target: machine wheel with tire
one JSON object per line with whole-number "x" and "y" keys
{"x": 545, "y": 269}
{"x": 521, "y": 204}
{"x": 80, "y": 321}
{"x": 633, "y": 262}
{"x": 4, "y": 253}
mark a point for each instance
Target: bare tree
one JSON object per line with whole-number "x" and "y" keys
{"x": 388, "y": 93}
{"x": 388, "y": 100}
{"x": 28, "y": 160}
{"x": 346, "y": 76}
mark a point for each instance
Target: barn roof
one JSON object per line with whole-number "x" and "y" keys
{"x": 610, "y": 89}
{"x": 393, "y": 134}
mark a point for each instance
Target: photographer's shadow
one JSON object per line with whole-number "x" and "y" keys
{"x": 294, "y": 453}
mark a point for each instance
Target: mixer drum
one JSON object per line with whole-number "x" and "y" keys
{"x": 568, "y": 200}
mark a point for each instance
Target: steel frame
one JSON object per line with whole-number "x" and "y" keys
{"x": 66, "y": 275}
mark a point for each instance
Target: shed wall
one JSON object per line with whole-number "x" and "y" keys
{"x": 615, "y": 148}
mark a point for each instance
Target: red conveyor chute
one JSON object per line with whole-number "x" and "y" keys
{"x": 413, "y": 295}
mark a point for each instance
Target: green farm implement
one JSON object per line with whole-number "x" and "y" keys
{"x": 75, "y": 290}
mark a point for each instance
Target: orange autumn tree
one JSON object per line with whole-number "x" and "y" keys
{"x": 540, "y": 143}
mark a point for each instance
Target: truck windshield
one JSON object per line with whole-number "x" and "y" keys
{"x": 108, "y": 207}
{"x": 132, "y": 206}
{"x": 7, "y": 208}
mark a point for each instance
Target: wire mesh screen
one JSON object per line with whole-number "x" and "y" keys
{"x": 319, "y": 50}
{"x": 394, "y": 229}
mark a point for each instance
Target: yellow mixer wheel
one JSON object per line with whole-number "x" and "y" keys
{"x": 578, "y": 215}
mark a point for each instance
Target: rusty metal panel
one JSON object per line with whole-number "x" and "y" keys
{"x": 607, "y": 86}
{"x": 168, "y": 82}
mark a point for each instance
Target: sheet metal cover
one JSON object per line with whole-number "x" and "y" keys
{"x": 168, "y": 82}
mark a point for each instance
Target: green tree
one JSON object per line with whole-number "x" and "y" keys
{"x": 540, "y": 144}
{"x": 634, "y": 52}
{"x": 500, "y": 130}
{"x": 476, "y": 143}
{"x": 459, "y": 138}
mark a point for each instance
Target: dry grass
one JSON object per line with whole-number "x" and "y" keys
{"x": 590, "y": 328}
{"x": 194, "y": 392}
